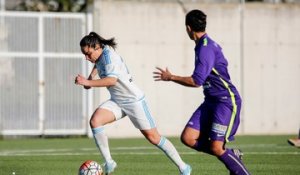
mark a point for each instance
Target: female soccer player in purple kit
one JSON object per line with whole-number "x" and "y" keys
{"x": 216, "y": 120}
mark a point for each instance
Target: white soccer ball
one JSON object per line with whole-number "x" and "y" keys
{"x": 90, "y": 167}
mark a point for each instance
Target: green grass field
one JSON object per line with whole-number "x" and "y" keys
{"x": 264, "y": 155}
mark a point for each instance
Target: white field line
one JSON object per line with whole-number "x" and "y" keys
{"x": 136, "y": 153}
{"x": 117, "y": 151}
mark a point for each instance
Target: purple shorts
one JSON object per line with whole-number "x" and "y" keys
{"x": 217, "y": 120}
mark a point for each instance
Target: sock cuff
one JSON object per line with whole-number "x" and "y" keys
{"x": 224, "y": 155}
{"x": 162, "y": 141}
{"x": 98, "y": 130}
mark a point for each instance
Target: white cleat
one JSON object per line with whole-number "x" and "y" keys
{"x": 109, "y": 167}
{"x": 187, "y": 170}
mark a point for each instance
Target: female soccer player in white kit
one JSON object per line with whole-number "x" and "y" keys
{"x": 126, "y": 100}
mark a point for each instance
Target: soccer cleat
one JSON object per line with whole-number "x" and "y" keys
{"x": 187, "y": 170}
{"x": 109, "y": 167}
{"x": 238, "y": 153}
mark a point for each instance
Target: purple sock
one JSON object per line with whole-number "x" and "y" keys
{"x": 233, "y": 163}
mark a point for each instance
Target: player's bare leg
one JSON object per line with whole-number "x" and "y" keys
{"x": 295, "y": 141}
{"x": 100, "y": 118}
{"x": 193, "y": 139}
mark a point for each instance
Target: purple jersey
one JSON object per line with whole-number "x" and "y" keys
{"x": 211, "y": 70}
{"x": 219, "y": 116}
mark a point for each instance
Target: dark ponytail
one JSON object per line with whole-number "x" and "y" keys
{"x": 92, "y": 39}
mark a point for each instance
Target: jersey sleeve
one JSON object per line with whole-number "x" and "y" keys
{"x": 112, "y": 70}
{"x": 203, "y": 65}
{"x": 110, "y": 64}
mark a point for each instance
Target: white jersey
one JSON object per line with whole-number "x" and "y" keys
{"x": 110, "y": 64}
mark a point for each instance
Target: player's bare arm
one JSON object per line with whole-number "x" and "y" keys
{"x": 166, "y": 75}
{"x": 104, "y": 82}
{"x": 93, "y": 73}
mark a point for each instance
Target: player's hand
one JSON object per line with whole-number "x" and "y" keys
{"x": 80, "y": 80}
{"x": 162, "y": 75}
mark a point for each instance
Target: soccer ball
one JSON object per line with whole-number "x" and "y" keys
{"x": 90, "y": 167}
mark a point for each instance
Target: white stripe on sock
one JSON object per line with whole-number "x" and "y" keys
{"x": 238, "y": 163}
{"x": 168, "y": 148}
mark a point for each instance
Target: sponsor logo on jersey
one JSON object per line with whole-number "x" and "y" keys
{"x": 219, "y": 129}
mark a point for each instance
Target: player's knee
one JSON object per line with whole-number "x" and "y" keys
{"x": 183, "y": 140}
{"x": 187, "y": 141}
{"x": 92, "y": 123}
{"x": 95, "y": 122}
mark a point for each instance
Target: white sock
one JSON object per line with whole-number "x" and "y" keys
{"x": 101, "y": 141}
{"x": 168, "y": 148}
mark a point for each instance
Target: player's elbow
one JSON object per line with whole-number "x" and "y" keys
{"x": 194, "y": 83}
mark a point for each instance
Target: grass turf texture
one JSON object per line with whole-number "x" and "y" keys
{"x": 263, "y": 155}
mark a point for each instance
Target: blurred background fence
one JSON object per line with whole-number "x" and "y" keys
{"x": 40, "y": 56}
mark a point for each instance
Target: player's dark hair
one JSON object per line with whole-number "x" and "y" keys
{"x": 92, "y": 39}
{"x": 196, "y": 19}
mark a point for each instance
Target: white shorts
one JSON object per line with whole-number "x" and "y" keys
{"x": 138, "y": 113}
